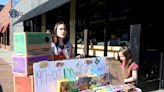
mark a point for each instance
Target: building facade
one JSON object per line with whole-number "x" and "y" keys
{"x": 22, "y": 7}
{"x": 5, "y": 26}
{"x": 89, "y": 19}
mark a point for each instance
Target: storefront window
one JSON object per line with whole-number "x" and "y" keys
{"x": 108, "y": 27}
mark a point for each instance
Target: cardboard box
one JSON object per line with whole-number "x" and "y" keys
{"x": 115, "y": 72}
{"x": 66, "y": 86}
{"x": 32, "y": 43}
{"x": 128, "y": 87}
{"x": 62, "y": 85}
{"x": 23, "y": 65}
{"x": 23, "y": 83}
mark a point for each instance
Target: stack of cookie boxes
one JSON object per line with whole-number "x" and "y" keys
{"x": 29, "y": 47}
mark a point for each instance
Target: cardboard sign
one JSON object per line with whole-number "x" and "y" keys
{"x": 46, "y": 74}
{"x": 23, "y": 65}
{"x": 115, "y": 72}
{"x": 32, "y": 43}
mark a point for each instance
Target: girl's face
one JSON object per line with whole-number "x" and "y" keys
{"x": 61, "y": 31}
{"x": 122, "y": 56}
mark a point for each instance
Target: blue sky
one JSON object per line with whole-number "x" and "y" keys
{"x": 3, "y": 2}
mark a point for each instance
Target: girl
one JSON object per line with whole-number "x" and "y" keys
{"x": 128, "y": 66}
{"x": 62, "y": 48}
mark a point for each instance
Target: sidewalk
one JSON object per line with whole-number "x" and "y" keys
{"x": 6, "y": 56}
{"x": 6, "y": 77}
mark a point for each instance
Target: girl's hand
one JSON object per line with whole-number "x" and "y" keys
{"x": 81, "y": 56}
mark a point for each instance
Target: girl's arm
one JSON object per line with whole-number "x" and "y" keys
{"x": 133, "y": 78}
{"x": 71, "y": 53}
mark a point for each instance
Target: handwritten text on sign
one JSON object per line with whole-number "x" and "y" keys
{"x": 46, "y": 76}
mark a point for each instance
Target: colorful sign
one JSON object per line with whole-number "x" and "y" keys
{"x": 47, "y": 74}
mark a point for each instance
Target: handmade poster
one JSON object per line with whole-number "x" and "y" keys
{"x": 47, "y": 74}
{"x": 90, "y": 66}
{"x": 84, "y": 67}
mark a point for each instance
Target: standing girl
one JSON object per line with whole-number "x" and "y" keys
{"x": 62, "y": 48}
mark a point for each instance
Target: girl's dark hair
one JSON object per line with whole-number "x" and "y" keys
{"x": 54, "y": 33}
{"x": 127, "y": 53}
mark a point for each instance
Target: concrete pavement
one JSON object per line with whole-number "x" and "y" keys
{"x": 6, "y": 56}
{"x": 6, "y": 77}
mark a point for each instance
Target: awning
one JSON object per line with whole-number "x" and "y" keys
{"x": 41, "y": 9}
{"x": 4, "y": 28}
